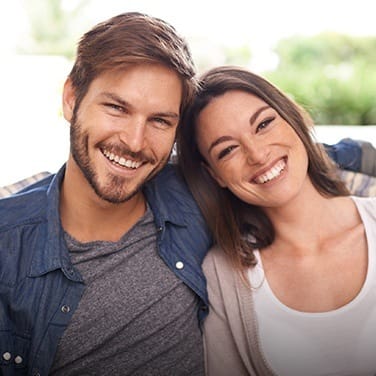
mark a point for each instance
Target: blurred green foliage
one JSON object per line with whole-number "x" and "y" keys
{"x": 332, "y": 75}
{"x": 240, "y": 55}
{"x": 54, "y": 28}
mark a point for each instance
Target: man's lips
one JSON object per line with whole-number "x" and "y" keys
{"x": 129, "y": 163}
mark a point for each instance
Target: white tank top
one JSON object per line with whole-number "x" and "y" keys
{"x": 340, "y": 342}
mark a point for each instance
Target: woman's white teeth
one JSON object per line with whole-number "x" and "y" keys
{"x": 121, "y": 160}
{"x": 272, "y": 173}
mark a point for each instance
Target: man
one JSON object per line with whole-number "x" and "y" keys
{"x": 100, "y": 272}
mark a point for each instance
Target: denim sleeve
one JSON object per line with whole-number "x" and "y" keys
{"x": 347, "y": 153}
{"x": 354, "y": 155}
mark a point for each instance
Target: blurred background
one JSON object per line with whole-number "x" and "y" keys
{"x": 322, "y": 53}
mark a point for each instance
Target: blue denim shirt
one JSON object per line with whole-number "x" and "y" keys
{"x": 39, "y": 287}
{"x": 347, "y": 154}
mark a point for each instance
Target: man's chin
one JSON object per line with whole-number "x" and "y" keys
{"x": 118, "y": 197}
{"x": 115, "y": 193}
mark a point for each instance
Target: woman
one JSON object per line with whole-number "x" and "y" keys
{"x": 292, "y": 279}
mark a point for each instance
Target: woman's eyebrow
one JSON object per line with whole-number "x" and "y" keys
{"x": 218, "y": 141}
{"x": 229, "y": 138}
{"x": 257, "y": 113}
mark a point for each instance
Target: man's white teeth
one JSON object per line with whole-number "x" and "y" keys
{"x": 272, "y": 173}
{"x": 121, "y": 160}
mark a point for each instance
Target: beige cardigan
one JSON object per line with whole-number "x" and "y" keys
{"x": 230, "y": 331}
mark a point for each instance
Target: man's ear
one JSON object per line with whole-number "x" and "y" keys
{"x": 214, "y": 175}
{"x": 69, "y": 100}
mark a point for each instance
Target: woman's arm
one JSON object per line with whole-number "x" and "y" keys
{"x": 222, "y": 356}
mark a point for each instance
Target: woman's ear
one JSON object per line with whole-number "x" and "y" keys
{"x": 69, "y": 100}
{"x": 213, "y": 174}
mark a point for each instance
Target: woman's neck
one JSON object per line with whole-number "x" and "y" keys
{"x": 309, "y": 219}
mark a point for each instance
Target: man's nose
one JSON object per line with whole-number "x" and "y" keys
{"x": 134, "y": 135}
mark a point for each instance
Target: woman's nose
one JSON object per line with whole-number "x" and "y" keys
{"x": 256, "y": 151}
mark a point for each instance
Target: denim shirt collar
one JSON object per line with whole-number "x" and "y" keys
{"x": 55, "y": 255}
{"x": 163, "y": 194}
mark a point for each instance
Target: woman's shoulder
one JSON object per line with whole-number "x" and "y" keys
{"x": 215, "y": 257}
{"x": 219, "y": 270}
{"x": 366, "y": 207}
{"x": 367, "y": 203}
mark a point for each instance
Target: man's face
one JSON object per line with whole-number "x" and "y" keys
{"x": 124, "y": 129}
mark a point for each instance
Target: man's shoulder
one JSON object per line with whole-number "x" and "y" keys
{"x": 30, "y": 181}
{"x": 25, "y": 206}
{"x": 169, "y": 189}
{"x": 169, "y": 173}
{"x": 168, "y": 195}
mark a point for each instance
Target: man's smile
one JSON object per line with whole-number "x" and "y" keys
{"x": 129, "y": 163}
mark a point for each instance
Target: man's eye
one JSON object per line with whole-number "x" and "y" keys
{"x": 226, "y": 151}
{"x": 162, "y": 122}
{"x": 264, "y": 124}
{"x": 115, "y": 107}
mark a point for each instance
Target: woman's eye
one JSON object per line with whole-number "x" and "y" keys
{"x": 264, "y": 124}
{"x": 226, "y": 151}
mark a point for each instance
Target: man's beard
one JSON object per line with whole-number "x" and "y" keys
{"x": 115, "y": 190}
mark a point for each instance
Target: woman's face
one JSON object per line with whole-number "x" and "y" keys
{"x": 251, "y": 149}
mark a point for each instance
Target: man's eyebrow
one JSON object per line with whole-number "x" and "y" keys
{"x": 115, "y": 98}
{"x": 124, "y": 103}
{"x": 173, "y": 115}
{"x": 229, "y": 138}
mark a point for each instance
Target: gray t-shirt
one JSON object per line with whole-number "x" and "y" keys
{"x": 135, "y": 317}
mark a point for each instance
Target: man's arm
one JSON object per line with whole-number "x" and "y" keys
{"x": 353, "y": 155}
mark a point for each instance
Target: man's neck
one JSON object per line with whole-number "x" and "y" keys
{"x": 87, "y": 217}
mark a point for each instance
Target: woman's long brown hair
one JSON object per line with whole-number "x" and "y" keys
{"x": 239, "y": 227}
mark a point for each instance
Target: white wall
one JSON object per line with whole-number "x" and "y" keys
{"x": 333, "y": 133}
{"x": 34, "y": 137}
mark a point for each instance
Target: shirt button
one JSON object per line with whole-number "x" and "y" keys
{"x": 65, "y": 309}
{"x": 179, "y": 265}
{"x": 18, "y": 359}
{"x": 7, "y": 355}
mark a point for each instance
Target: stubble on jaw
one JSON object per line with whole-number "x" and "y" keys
{"x": 114, "y": 191}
